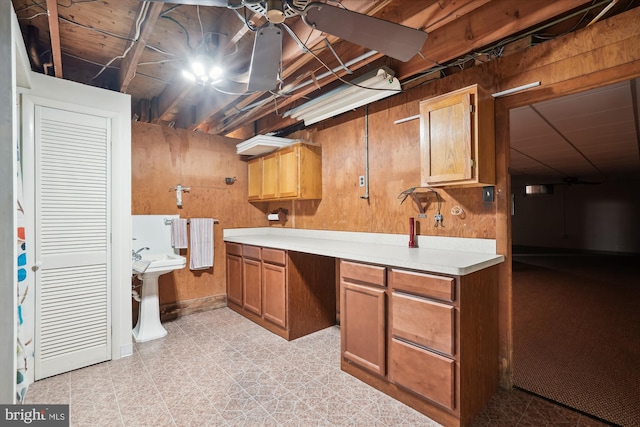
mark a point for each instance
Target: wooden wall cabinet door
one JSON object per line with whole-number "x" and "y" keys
{"x": 234, "y": 273}
{"x": 270, "y": 176}
{"x": 274, "y": 286}
{"x": 254, "y": 179}
{"x": 363, "y": 316}
{"x": 289, "y": 172}
{"x": 252, "y": 279}
{"x": 457, "y": 139}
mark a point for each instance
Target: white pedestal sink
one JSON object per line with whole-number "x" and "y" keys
{"x": 149, "y": 327}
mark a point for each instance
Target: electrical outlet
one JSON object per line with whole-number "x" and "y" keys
{"x": 361, "y": 180}
{"x": 488, "y": 194}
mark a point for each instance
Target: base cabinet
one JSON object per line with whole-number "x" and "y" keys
{"x": 363, "y": 314}
{"x": 441, "y": 338}
{"x": 291, "y": 294}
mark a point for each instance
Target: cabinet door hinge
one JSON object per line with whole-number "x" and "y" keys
{"x": 471, "y": 108}
{"x": 473, "y": 163}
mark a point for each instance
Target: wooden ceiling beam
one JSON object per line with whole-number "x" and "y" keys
{"x": 54, "y": 34}
{"x": 133, "y": 52}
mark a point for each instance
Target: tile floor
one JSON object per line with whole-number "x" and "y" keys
{"x": 218, "y": 369}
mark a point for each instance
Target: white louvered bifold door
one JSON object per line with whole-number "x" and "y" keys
{"x": 73, "y": 321}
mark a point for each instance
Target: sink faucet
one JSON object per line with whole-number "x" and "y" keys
{"x": 136, "y": 254}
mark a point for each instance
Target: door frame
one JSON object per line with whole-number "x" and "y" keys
{"x": 120, "y": 269}
{"x": 576, "y": 84}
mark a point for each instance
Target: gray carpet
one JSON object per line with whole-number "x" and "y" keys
{"x": 576, "y": 331}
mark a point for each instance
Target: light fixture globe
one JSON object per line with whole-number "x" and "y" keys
{"x": 203, "y": 70}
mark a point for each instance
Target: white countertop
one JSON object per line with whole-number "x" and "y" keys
{"x": 446, "y": 255}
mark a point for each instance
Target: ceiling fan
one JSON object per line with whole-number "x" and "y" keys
{"x": 391, "y": 39}
{"x": 571, "y": 180}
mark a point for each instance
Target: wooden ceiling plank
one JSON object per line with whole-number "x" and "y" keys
{"x": 54, "y": 34}
{"x": 481, "y": 27}
{"x": 133, "y": 52}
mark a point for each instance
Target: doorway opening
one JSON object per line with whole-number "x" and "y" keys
{"x": 576, "y": 247}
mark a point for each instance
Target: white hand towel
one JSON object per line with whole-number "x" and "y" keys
{"x": 201, "y": 236}
{"x": 179, "y": 233}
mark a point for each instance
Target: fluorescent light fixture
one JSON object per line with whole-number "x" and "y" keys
{"x": 262, "y": 144}
{"x": 538, "y": 189}
{"x": 370, "y": 87}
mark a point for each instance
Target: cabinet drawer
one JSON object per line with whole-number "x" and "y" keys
{"x": 424, "y": 322}
{"x": 428, "y": 374}
{"x": 234, "y": 249}
{"x": 274, "y": 256}
{"x": 363, "y": 273}
{"x": 251, "y": 251}
{"x": 428, "y": 285}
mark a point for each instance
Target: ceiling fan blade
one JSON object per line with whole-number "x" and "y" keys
{"x": 265, "y": 61}
{"x": 394, "y": 40}
{"x": 217, "y": 3}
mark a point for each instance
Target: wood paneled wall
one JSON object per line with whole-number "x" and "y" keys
{"x": 602, "y": 54}
{"x": 394, "y": 166}
{"x": 164, "y": 157}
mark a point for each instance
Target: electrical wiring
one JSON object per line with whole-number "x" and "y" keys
{"x": 186, "y": 32}
{"x": 141, "y": 17}
{"x": 317, "y": 58}
{"x": 29, "y": 18}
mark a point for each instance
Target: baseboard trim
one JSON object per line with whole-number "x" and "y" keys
{"x": 177, "y": 309}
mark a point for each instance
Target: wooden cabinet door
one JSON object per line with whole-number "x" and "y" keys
{"x": 289, "y": 173}
{"x": 363, "y": 326}
{"x": 270, "y": 176}
{"x": 274, "y": 297}
{"x": 234, "y": 279}
{"x": 446, "y": 138}
{"x": 254, "y": 179}
{"x": 252, "y": 285}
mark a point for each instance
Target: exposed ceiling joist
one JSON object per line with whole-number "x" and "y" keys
{"x": 54, "y": 34}
{"x": 147, "y": 15}
{"x": 488, "y": 23}
{"x": 481, "y": 27}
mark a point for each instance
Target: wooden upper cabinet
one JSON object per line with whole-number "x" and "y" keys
{"x": 457, "y": 139}
{"x": 291, "y": 173}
